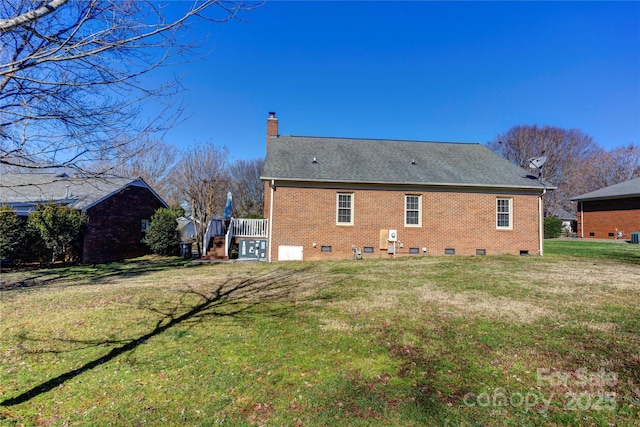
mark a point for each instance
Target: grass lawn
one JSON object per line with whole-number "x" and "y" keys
{"x": 461, "y": 341}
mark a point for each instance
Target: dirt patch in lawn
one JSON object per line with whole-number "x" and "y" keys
{"x": 579, "y": 283}
{"x": 480, "y": 304}
{"x": 570, "y": 277}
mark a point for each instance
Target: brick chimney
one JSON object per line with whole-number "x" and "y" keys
{"x": 272, "y": 127}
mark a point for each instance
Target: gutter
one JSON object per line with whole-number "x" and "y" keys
{"x": 541, "y": 223}
{"x": 272, "y": 187}
{"x": 595, "y": 199}
{"x": 581, "y": 220}
{"x": 413, "y": 184}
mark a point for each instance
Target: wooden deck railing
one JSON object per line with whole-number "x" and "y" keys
{"x": 248, "y": 227}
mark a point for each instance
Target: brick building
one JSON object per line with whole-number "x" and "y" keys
{"x": 338, "y": 198}
{"x": 610, "y": 213}
{"x": 119, "y": 209}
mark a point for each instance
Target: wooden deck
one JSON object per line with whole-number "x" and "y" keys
{"x": 217, "y": 246}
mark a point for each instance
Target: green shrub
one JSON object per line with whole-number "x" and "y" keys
{"x": 552, "y": 227}
{"x": 34, "y": 249}
{"x": 60, "y": 229}
{"x": 12, "y": 233}
{"x": 163, "y": 236}
{"x": 177, "y": 210}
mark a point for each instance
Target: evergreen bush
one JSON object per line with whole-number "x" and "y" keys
{"x": 163, "y": 236}
{"x": 12, "y": 233}
{"x": 552, "y": 227}
{"x": 60, "y": 230}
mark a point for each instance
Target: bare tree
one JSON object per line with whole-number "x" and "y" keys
{"x": 148, "y": 159}
{"x": 566, "y": 152}
{"x": 247, "y": 188}
{"x": 612, "y": 167}
{"x": 74, "y": 74}
{"x": 202, "y": 178}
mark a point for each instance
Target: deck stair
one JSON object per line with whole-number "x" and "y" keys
{"x": 220, "y": 236}
{"x": 216, "y": 248}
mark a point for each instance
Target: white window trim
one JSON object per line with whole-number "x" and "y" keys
{"x": 419, "y": 196}
{"x": 510, "y": 226}
{"x": 351, "y": 195}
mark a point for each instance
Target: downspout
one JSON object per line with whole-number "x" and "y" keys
{"x": 581, "y": 220}
{"x": 541, "y": 222}
{"x": 271, "y": 186}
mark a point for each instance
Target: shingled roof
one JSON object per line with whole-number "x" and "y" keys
{"x": 372, "y": 161}
{"x": 625, "y": 189}
{"x": 23, "y": 191}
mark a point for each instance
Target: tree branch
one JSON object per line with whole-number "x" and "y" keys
{"x": 72, "y": 79}
{"x": 32, "y": 15}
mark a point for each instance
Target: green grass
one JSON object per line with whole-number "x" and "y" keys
{"x": 463, "y": 341}
{"x": 583, "y": 248}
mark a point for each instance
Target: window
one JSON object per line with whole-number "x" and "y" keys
{"x": 504, "y": 216}
{"x": 449, "y": 251}
{"x": 325, "y": 249}
{"x": 144, "y": 225}
{"x": 368, "y": 249}
{"x": 344, "y": 212}
{"x": 412, "y": 210}
{"x": 414, "y": 250}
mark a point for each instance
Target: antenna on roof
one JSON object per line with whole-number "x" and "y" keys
{"x": 536, "y": 163}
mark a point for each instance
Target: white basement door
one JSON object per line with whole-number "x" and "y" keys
{"x": 289, "y": 253}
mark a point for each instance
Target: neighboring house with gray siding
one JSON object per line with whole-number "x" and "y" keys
{"x": 567, "y": 218}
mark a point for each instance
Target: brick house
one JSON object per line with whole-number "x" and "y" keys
{"x": 338, "y": 198}
{"x": 610, "y": 213}
{"x": 118, "y": 209}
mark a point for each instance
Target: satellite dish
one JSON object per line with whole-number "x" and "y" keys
{"x": 537, "y": 162}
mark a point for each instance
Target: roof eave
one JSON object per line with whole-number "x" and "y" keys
{"x": 590, "y": 199}
{"x": 139, "y": 182}
{"x": 422, "y": 184}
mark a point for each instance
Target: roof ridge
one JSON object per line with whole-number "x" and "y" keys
{"x": 379, "y": 139}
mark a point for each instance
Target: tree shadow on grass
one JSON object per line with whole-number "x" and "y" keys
{"x": 84, "y": 274}
{"x": 229, "y": 299}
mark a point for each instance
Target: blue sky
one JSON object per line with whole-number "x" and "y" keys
{"x": 427, "y": 71}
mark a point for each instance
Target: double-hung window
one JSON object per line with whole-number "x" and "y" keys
{"x": 412, "y": 210}
{"x": 344, "y": 209}
{"x": 504, "y": 213}
{"x": 144, "y": 225}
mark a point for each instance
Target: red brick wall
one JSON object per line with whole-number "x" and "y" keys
{"x": 464, "y": 221}
{"x": 113, "y": 232}
{"x": 602, "y": 217}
